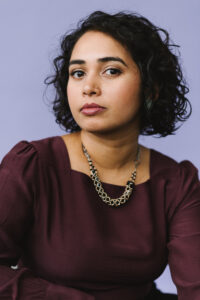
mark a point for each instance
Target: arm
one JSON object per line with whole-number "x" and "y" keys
{"x": 184, "y": 235}
{"x": 16, "y": 203}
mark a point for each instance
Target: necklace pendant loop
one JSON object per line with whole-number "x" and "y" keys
{"x": 99, "y": 188}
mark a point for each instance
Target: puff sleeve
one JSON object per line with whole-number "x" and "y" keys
{"x": 184, "y": 234}
{"x": 17, "y": 194}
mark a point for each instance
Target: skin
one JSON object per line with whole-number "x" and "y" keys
{"x": 111, "y": 136}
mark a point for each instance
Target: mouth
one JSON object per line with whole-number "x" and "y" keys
{"x": 91, "y": 109}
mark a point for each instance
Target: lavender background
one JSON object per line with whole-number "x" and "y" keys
{"x": 29, "y": 39}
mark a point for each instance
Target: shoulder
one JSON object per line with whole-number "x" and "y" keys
{"x": 179, "y": 181}
{"x": 21, "y": 151}
{"x": 48, "y": 148}
{"x": 51, "y": 151}
{"x": 28, "y": 152}
{"x": 167, "y": 167}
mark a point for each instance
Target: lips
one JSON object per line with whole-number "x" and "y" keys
{"x": 91, "y": 105}
{"x": 91, "y": 109}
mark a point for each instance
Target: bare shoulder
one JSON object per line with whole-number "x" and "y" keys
{"x": 72, "y": 142}
{"x": 76, "y": 156}
{"x": 70, "y": 137}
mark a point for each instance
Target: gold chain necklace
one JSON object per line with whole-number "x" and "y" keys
{"x": 116, "y": 202}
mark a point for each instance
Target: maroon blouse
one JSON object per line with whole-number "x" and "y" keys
{"x": 70, "y": 245}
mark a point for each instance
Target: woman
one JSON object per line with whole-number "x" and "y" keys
{"x": 92, "y": 214}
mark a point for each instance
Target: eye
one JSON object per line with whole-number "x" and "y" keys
{"x": 113, "y": 71}
{"x": 77, "y": 73}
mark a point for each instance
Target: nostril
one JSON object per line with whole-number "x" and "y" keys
{"x": 90, "y": 91}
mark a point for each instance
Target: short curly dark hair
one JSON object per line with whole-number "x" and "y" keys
{"x": 160, "y": 71}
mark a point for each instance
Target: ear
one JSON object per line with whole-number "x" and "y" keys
{"x": 152, "y": 93}
{"x": 156, "y": 93}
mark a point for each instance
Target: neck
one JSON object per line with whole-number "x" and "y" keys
{"x": 111, "y": 151}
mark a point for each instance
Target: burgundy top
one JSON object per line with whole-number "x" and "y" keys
{"x": 72, "y": 245}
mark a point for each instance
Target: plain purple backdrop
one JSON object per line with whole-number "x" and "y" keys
{"x": 29, "y": 37}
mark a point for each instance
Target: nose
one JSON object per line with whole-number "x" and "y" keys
{"x": 88, "y": 90}
{"x": 91, "y": 87}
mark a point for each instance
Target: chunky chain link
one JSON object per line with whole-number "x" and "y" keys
{"x": 116, "y": 202}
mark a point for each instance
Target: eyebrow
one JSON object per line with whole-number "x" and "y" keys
{"x": 103, "y": 59}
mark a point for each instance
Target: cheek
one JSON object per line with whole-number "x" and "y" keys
{"x": 69, "y": 91}
{"x": 128, "y": 94}
{"x": 71, "y": 94}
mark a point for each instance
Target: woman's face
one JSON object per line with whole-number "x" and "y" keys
{"x": 103, "y": 73}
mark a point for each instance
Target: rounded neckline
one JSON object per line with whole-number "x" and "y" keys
{"x": 66, "y": 154}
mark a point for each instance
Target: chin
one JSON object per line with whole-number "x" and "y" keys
{"x": 101, "y": 126}
{"x": 91, "y": 125}
{"x": 97, "y": 129}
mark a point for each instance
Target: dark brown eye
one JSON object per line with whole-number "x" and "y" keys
{"x": 113, "y": 71}
{"x": 77, "y": 73}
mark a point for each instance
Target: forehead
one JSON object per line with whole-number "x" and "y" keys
{"x": 97, "y": 44}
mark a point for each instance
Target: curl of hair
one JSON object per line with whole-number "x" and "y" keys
{"x": 151, "y": 49}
